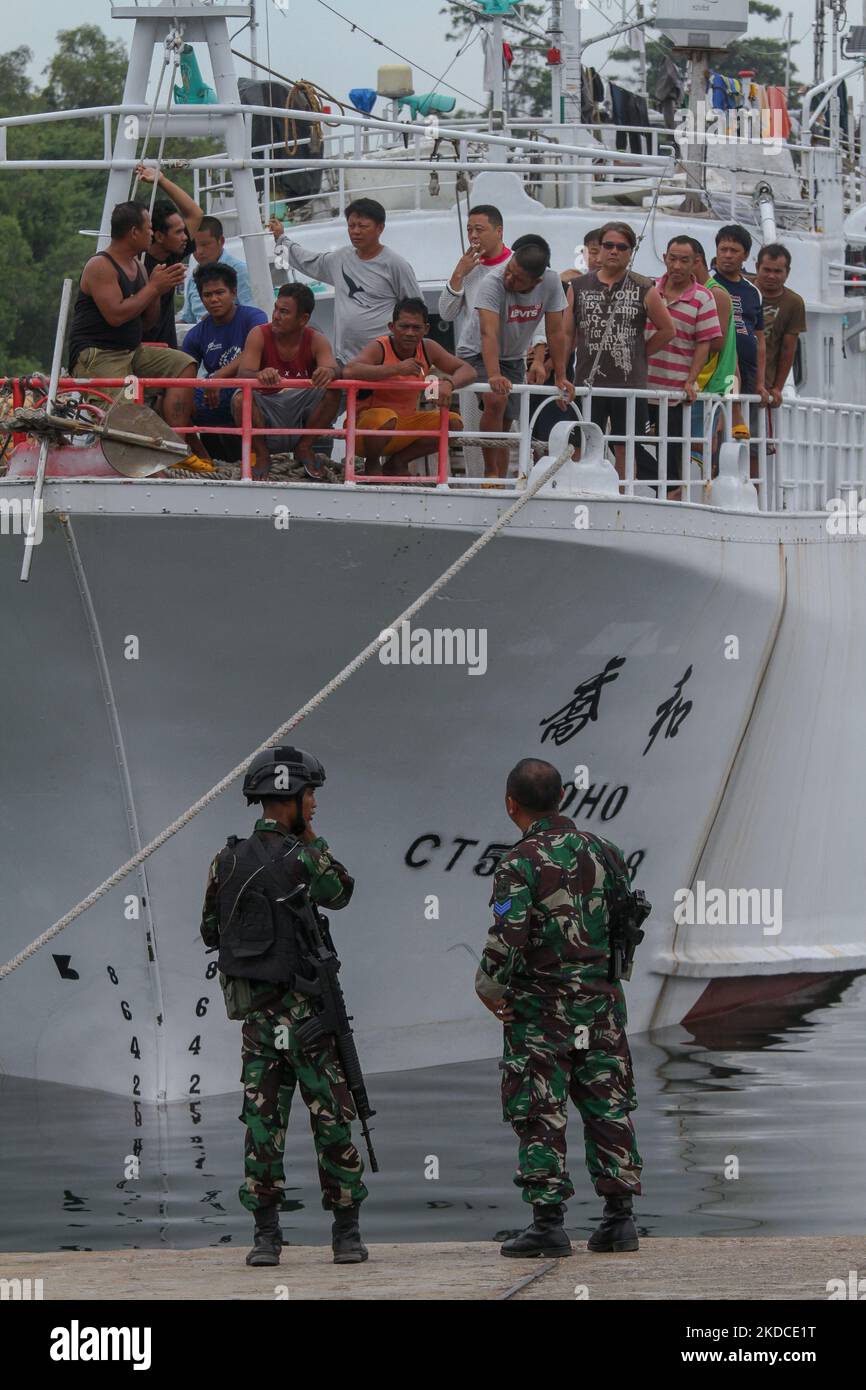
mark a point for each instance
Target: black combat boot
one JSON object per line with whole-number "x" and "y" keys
{"x": 346, "y": 1241}
{"x": 617, "y": 1231}
{"x": 268, "y": 1238}
{"x": 546, "y": 1235}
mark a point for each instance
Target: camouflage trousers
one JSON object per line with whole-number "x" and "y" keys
{"x": 584, "y": 1056}
{"x": 272, "y": 1066}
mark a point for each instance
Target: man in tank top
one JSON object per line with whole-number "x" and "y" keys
{"x": 117, "y": 303}
{"x": 405, "y": 352}
{"x": 285, "y": 350}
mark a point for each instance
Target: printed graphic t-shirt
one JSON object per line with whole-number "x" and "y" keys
{"x": 364, "y": 291}
{"x": 214, "y": 345}
{"x": 613, "y": 315}
{"x": 519, "y": 314}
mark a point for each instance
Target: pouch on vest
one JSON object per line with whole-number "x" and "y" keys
{"x": 251, "y": 933}
{"x": 238, "y": 996}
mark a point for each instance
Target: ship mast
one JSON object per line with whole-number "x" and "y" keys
{"x": 206, "y": 23}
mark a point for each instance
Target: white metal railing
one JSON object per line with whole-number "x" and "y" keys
{"x": 801, "y": 454}
{"x": 572, "y": 159}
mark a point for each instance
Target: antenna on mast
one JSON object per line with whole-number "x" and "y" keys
{"x": 254, "y": 38}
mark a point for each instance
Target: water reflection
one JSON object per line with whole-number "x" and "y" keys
{"x": 753, "y": 1122}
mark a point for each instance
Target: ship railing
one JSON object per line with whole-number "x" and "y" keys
{"x": 576, "y": 162}
{"x": 802, "y": 454}
{"x": 555, "y": 177}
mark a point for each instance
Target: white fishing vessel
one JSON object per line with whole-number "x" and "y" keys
{"x": 695, "y": 668}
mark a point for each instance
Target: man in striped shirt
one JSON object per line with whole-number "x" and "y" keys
{"x": 676, "y": 367}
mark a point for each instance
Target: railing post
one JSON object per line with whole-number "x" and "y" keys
{"x": 629, "y": 444}
{"x": 247, "y": 436}
{"x": 351, "y": 404}
{"x": 444, "y": 421}
{"x": 524, "y": 462}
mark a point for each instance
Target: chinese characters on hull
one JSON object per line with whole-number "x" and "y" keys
{"x": 672, "y": 712}
{"x": 582, "y": 709}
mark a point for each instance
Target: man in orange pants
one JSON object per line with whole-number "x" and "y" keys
{"x": 405, "y": 352}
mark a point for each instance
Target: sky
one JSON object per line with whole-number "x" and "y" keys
{"x": 308, "y": 41}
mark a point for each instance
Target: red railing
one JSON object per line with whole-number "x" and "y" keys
{"x": 135, "y": 388}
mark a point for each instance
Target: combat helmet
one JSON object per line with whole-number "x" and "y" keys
{"x": 279, "y": 773}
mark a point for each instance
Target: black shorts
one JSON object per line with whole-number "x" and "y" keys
{"x": 610, "y": 413}
{"x": 615, "y": 409}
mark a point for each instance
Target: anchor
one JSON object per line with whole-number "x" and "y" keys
{"x": 134, "y": 439}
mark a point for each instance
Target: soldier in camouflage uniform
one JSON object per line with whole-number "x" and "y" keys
{"x": 256, "y": 968}
{"x": 544, "y": 973}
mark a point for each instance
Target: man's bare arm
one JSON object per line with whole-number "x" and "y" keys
{"x": 250, "y": 360}
{"x": 188, "y": 208}
{"x": 369, "y": 365}
{"x": 101, "y": 283}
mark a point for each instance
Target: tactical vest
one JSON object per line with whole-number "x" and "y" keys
{"x": 258, "y": 932}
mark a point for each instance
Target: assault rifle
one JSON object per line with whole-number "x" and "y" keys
{"x": 331, "y": 1017}
{"x": 626, "y": 910}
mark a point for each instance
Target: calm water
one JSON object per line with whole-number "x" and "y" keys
{"x": 785, "y": 1093}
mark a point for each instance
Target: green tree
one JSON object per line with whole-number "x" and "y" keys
{"x": 88, "y": 69}
{"x": 529, "y": 75}
{"x": 15, "y": 86}
{"x": 45, "y": 211}
{"x": 16, "y": 270}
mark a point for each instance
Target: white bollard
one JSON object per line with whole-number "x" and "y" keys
{"x": 589, "y": 474}
{"x": 732, "y": 487}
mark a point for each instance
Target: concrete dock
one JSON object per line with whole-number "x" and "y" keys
{"x": 701, "y": 1269}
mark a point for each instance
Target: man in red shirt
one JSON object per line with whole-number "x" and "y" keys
{"x": 278, "y": 352}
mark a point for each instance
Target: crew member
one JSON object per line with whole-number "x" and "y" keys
{"x": 404, "y": 351}
{"x": 175, "y": 221}
{"x": 117, "y": 303}
{"x": 510, "y": 304}
{"x": 367, "y": 275}
{"x": 285, "y": 350}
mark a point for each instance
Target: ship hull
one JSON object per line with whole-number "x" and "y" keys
{"x": 168, "y": 629}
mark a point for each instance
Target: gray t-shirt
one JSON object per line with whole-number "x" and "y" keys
{"x": 519, "y": 314}
{"x": 364, "y": 291}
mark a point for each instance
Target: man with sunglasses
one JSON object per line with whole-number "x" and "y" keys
{"x": 612, "y": 306}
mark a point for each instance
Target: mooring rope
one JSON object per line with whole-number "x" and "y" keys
{"x": 279, "y": 734}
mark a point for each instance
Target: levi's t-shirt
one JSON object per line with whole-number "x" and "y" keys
{"x": 518, "y": 313}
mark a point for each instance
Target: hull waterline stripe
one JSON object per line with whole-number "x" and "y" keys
{"x": 371, "y": 649}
